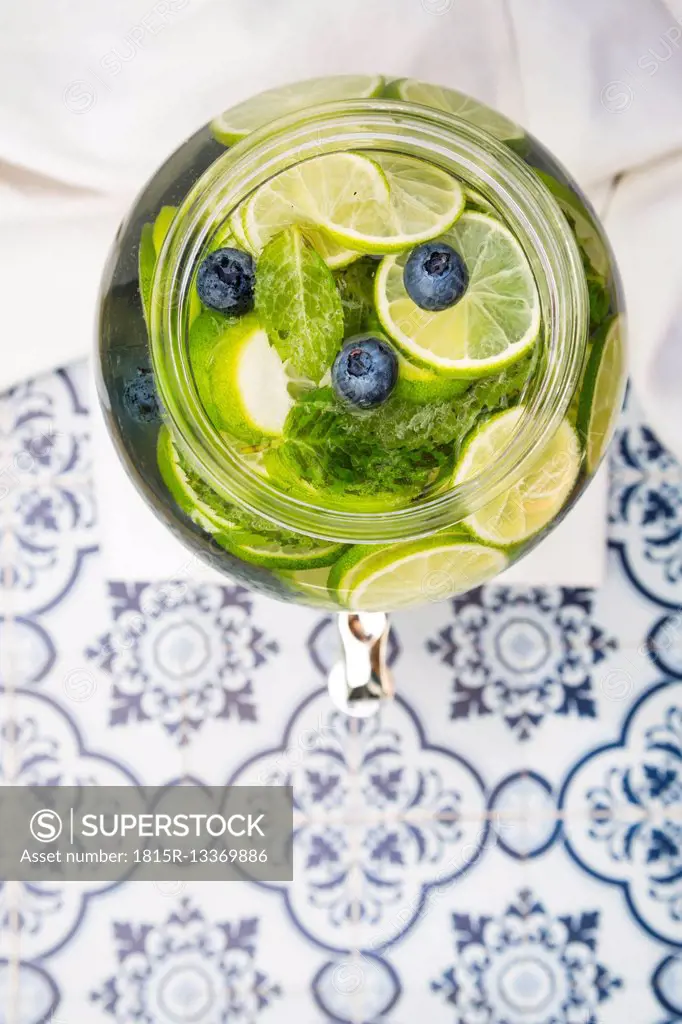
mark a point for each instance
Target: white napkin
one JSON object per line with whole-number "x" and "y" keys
{"x": 96, "y": 95}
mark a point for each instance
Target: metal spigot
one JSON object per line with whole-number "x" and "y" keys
{"x": 362, "y": 679}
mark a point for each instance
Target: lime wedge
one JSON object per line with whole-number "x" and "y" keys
{"x": 434, "y": 568}
{"x": 204, "y": 334}
{"x": 248, "y": 382}
{"x": 494, "y": 323}
{"x": 602, "y": 394}
{"x": 338, "y": 187}
{"x": 534, "y": 500}
{"x": 424, "y": 201}
{"x": 237, "y": 122}
{"x": 459, "y": 104}
{"x": 187, "y": 492}
{"x": 272, "y": 551}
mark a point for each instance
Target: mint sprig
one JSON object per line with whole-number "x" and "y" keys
{"x": 401, "y": 446}
{"x": 298, "y": 302}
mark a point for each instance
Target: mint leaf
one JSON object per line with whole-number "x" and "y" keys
{"x": 356, "y": 289}
{"x": 297, "y": 300}
{"x": 401, "y": 446}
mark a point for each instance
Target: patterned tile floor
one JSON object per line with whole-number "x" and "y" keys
{"x": 502, "y": 846}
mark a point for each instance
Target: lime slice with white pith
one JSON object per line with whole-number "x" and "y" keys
{"x": 459, "y": 104}
{"x": 423, "y": 202}
{"x": 234, "y": 124}
{"x": 311, "y": 580}
{"x": 421, "y": 385}
{"x": 271, "y": 551}
{"x": 602, "y": 394}
{"x": 478, "y": 202}
{"x": 188, "y": 493}
{"x": 533, "y": 501}
{"x": 235, "y": 225}
{"x": 496, "y": 321}
{"x": 248, "y": 382}
{"x": 338, "y": 187}
{"x": 434, "y": 568}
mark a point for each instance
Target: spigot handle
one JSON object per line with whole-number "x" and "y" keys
{"x": 362, "y": 679}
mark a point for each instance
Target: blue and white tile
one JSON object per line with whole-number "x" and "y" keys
{"x": 623, "y": 812}
{"x": 503, "y": 843}
{"x": 214, "y": 953}
{"x": 47, "y": 512}
{"x": 381, "y": 816}
{"x": 666, "y": 982}
{"x": 77, "y": 683}
{"x": 646, "y": 510}
{"x": 43, "y": 746}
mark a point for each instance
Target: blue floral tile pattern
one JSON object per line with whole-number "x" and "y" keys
{"x": 623, "y": 808}
{"x": 527, "y": 966}
{"x": 186, "y": 969}
{"x": 179, "y": 654}
{"x": 667, "y": 984}
{"x": 646, "y": 510}
{"x": 46, "y": 492}
{"x": 438, "y": 870}
{"x": 48, "y": 750}
{"x": 523, "y": 654}
{"x": 415, "y": 816}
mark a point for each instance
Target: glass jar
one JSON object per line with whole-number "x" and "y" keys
{"x": 284, "y": 539}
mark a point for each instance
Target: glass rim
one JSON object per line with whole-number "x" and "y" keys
{"x": 483, "y": 163}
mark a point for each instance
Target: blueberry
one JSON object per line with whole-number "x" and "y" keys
{"x": 140, "y": 398}
{"x": 435, "y": 276}
{"x": 365, "y": 371}
{"x": 225, "y": 281}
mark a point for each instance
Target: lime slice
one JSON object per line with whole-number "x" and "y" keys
{"x": 534, "y": 500}
{"x": 162, "y": 225}
{"x": 478, "y": 202}
{"x": 336, "y": 187}
{"x": 184, "y": 489}
{"x": 146, "y": 261}
{"x": 494, "y": 324}
{"x": 459, "y": 104}
{"x": 311, "y": 584}
{"x": 235, "y": 225}
{"x": 275, "y": 552}
{"x": 602, "y": 394}
{"x": 435, "y": 568}
{"x": 237, "y": 122}
{"x": 420, "y": 385}
{"x": 587, "y": 232}
{"x": 424, "y": 201}
{"x": 248, "y": 382}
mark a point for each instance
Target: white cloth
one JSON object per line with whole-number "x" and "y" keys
{"x": 95, "y": 95}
